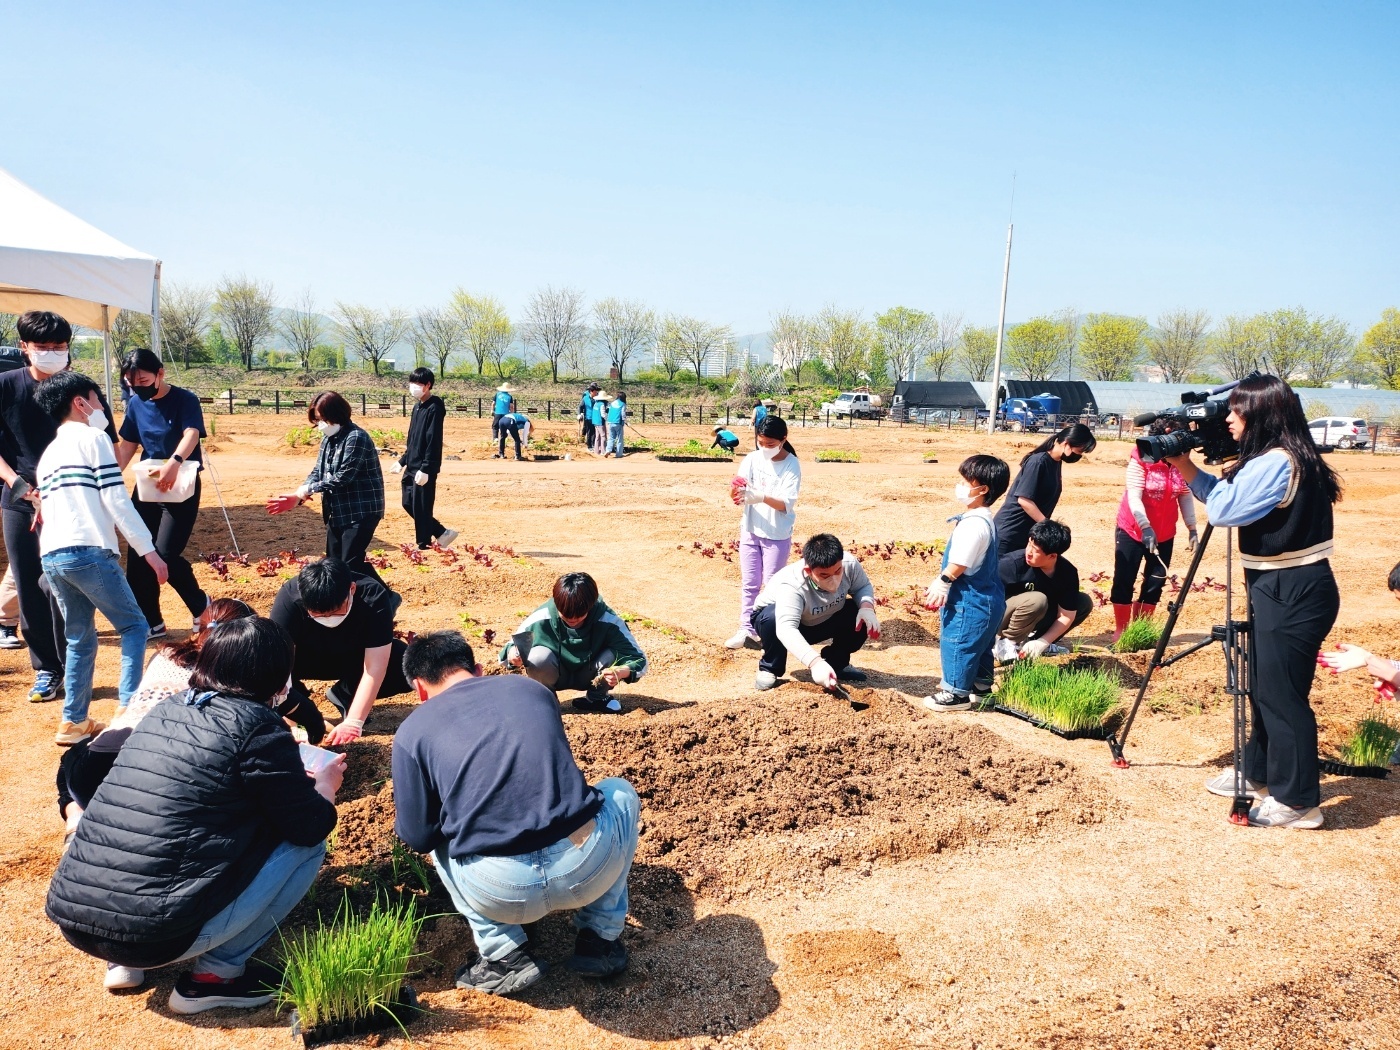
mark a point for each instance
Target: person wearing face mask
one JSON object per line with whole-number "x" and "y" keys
{"x": 421, "y": 462}
{"x": 1036, "y": 490}
{"x": 826, "y": 597}
{"x": 343, "y": 627}
{"x": 968, "y": 591}
{"x": 164, "y": 423}
{"x": 766, "y": 486}
{"x": 25, "y": 431}
{"x": 83, "y": 503}
{"x": 348, "y": 480}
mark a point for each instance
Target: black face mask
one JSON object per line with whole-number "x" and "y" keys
{"x": 145, "y": 393}
{"x": 1071, "y": 457}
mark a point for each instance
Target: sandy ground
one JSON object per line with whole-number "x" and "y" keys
{"x": 810, "y": 875}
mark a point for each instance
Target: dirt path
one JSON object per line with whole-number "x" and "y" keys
{"x": 809, "y": 875}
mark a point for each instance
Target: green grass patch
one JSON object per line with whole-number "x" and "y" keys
{"x": 1069, "y": 699}
{"x": 299, "y": 436}
{"x": 1142, "y": 633}
{"x": 381, "y": 438}
{"x": 1370, "y": 744}
{"x": 352, "y": 967}
{"x": 837, "y": 455}
{"x": 692, "y": 449}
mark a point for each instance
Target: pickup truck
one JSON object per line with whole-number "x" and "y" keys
{"x": 1021, "y": 413}
{"x": 856, "y": 404}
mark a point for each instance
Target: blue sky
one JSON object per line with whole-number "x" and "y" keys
{"x": 729, "y": 160}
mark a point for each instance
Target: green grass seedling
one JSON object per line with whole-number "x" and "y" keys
{"x": 1068, "y": 699}
{"x": 837, "y": 455}
{"x": 1370, "y": 744}
{"x": 1140, "y": 634}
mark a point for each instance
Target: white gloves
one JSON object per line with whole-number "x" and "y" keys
{"x": 1191, "y": 540}
{"x": 1149, "y": 539}
{"x": 1349, "y": 658}
{"x": 752, "y": 495}
{"x": 872, "y": 625}
{"x": 421, "y": 478}
{"x": 1037, "y": 646}
{"x": 822, "y": 673}
{"x": 397, "y": 468}
{"x": 302, "y": 492}
{"x": 937, "y": 593}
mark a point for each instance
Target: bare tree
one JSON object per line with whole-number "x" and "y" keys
{"x": 905, "y": 336}
{"x": 1237, "y": 345}
{"x": 670, "y": 353}
{"x": 245, "y": 306}
{"x": 627, "y": 328}
{"x": 184, "y": 319}
{"x": 696, "y": 340}
{"x": 486, "y": 327}
{"x": 945, "y": 335}
{"x": 374, "y": 333}
{"x": 438, "y": 333}
{"x": 302, "y": 326}
{"x": 791, "y": 339}
{"x": 1178, "y": 346}
{"x": 555, "y": 322}
{"x": 844, "y": 340}
{"x": 1110, "y": 346}
{"x": 977, "y": 351}
{"x": 130, "y": 330}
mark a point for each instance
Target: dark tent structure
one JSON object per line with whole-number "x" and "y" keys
{"x": 911, "y": 396}
{"x": 1075, "y": 397}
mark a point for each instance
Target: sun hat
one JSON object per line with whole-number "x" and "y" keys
{"x": 602, "y": 395}
{"x": 506, "y": 388}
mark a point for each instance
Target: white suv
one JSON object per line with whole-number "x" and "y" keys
{"x": 1339, "y": 432}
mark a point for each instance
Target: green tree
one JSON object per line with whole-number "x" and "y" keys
{"x": 245, "y": 307}
{"x": 977, "y": 352}
{"x": 1110, "y": 346}
{"x": 792, "y": 341}
{"x": 1381, "y": 345}
{"x": 670, "y": 352}
{"x": 843, "y": 341}
{"x": 1237, "y": 345}
{"x": 1039, "y": 349}
{"x": 373, "y": 333}
{"x": 130, "y": 330}
{"x": 1178, "y": 344}
{"x": 9, "y": 332}
{"x": 904, "y": 335}
{"x": 486, "y": 327}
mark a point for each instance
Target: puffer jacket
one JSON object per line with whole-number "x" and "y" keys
{"x": 205, "y": 788}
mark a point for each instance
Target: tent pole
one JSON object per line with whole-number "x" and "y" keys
{"x": 155, "y": 314}
{"x": 107, "y": 353}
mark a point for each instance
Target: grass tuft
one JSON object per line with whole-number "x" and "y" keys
{"x": 1371, "y": 743}
{"x": 1068, "y": 699}
{"x": 691, "y": 449}
{"x": 837, "y": 455}
{"x": 299, "y": 436}
{"x": 1142, "y": 633}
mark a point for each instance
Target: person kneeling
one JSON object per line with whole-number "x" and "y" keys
{"x": 577, "y": 642}
{"x": 827, "y": 597}
{"x": 206, "y": 833}
{"x": 485, "y": 781}
{"x": 1043, "y": 599}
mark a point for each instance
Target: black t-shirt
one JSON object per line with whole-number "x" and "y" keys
{"x": 159, "y": 425}
{"x": 328, "y": 654}
{"x": 1062, "y": 589}
{"x": 1039, "y": 482}
{"x": 25, "y": 428}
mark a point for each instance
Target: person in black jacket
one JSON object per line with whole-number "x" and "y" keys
{"x": 421, "y": 462}
{"x": 205, "y": 834}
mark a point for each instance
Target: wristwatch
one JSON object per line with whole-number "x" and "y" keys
{"x": 946, "y": 578}
{"x": 177, "y": 457}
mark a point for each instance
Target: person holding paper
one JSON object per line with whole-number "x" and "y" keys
{"x": 164, "y": 423}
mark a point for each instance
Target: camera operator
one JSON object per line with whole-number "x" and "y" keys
{"x": 1279, "y": 494}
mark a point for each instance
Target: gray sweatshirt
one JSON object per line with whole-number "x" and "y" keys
{"x": 801, "y": 603}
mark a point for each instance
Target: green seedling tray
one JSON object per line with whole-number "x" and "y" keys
{"x": 1097, "y": 733}
{"x": 402, "y": 1012}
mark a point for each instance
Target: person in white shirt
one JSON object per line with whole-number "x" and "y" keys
{"x": 83, "y": 502}
{"x": 766, "y": 487}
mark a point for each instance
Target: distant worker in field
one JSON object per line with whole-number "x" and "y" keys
{"x": 421, "y": 462}
{"x": 577, "y": 642}
{"x": 617, "y": 422}
{"x": 485, "y": 780}
{"x": 597, "y": 416}
{"x": 514, "y": 425}
{"x": 725, "y": 439}
{"x": 968, "y": 591}
{"x": 760, "y": 413}
{"x": 585, "y": 415}
{"x": 1043, "y": 599}
{"x": 826, "y": 597}
{"x": 1036, "y": 491}
{"x": 766, "y": 486}
{"x": 503, "y": 403}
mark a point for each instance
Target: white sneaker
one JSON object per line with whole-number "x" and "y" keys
{"x": 1005, "y": 651}
{"x": 1224, "y": 786}
{"x": 1271, "y": 813}
{"x": 120, "y": 978}
{"x": 764, "y": 680}
{"x": 448, "y": 538}
{"x": 742, "y": 640}
{"x": 946, "y": 700}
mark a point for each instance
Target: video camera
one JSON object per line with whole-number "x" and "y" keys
{"x": 1202, "y": 413}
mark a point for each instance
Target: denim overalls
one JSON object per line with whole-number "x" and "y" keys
{"x": 970, "y": 619}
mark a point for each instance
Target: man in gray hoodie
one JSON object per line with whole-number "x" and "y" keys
{"x": 827, "y": 597}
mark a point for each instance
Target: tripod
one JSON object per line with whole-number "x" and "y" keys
{"x": 1235, "y": 638}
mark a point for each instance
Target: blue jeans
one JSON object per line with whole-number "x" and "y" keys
{"x": 84, "y": 579}
{"x": 498, "y": 894}
{"x": 228, "y": 940}
{"x": 615, "y": 438}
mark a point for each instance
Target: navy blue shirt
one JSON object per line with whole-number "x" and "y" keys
{"x": 484, "y": 768}
{"x": 158, "y": 425}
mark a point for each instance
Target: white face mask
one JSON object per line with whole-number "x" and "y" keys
{"x": 329, "y": 430}
{"x": 830, "y": 586}
{"x": 339, "y": 618}
{"x": 97, "y": 420}
{"x": 49, "y": 361}
{"x": 963, "y": 493}
{"x": 771, "y": 453}
{"x": 415, "y": 391}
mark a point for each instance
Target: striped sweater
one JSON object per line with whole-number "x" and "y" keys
{"x": 83, "y": 499}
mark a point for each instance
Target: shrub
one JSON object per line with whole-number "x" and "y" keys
{"x": 1371, "y": 743}
{"x": 298, "y": 436}
{"x": 1067, "y": 698}
{"x": 1142, "y": 633}
{"x": 836, "y": 455}
{"x": 382, "y": 438}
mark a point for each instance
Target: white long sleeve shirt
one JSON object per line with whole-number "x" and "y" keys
{"x": 781, "y": 479}
{"x": 83, "y": 499}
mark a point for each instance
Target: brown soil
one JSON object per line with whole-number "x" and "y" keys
{"x": 811, "y": 875}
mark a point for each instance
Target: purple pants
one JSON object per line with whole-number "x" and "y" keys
{"x": 758, "y": 560}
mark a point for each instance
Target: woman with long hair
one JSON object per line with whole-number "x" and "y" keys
{"x": 1279, "y": 495}
{"x": 766, "y": 486}
{"x": 1035, "y": 493}
{"x": 1146, "y": 531}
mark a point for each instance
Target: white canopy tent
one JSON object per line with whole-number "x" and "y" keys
{"x": 52, "y": 260}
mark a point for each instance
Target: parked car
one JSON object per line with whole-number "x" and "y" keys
{"x": 1339, "y": 432}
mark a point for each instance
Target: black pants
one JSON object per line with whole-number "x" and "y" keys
{"x": 587, "y": 433}
{"x": 349, "y": 543}
{"x": 513, "y": 430}
{"x": 418, "y": 500}
{"x": 1128, "y": 556}
{"x": 39, "y": 615}
{"x": 1293, "y": 610}
{"x": 170, "y": 525}
{"x": 495, "y": 424}
{"x": 81, "y": 772}
{"x": 343, "y": 691}
{"x": 841, "y": 631}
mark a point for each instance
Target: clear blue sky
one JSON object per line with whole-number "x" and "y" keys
{"x": 728, "y": 160}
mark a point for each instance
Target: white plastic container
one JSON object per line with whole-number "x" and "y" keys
{"x": 146, "y": 471}
{"x": 315, "y": 758}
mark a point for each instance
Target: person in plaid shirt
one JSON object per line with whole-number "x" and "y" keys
{"x": 348, "y": 478}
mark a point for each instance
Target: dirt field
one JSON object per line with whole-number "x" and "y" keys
{"x": 810, "y": 875}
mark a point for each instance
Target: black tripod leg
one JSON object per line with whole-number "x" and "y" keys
{"x": 1119, "y": 739}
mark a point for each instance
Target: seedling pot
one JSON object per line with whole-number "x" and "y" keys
{"x": 693, "y": 459}
{"x": 543, "y": 457}
{"x": 1341, "y": 769}
{"x": 403, "y": 1011}
{"x": 1097, "y": 733}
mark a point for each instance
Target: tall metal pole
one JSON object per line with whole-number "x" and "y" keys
{"x": 1001, "y": 328}
{"x": 107, "y": 352}
{"x": 155, "y": 314}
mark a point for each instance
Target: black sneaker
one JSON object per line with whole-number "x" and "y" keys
{"x": 597, "y": 702}
{"x": 516, "y": 972}
{"x": 158, "y": 631}
{"x": 595, "y": 957}
{"x": 9, "y": 638}
{"x": 257, "y": 987}
{"x": 851, "y": 674}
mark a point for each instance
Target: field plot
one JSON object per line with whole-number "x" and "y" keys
{"x": 810, "y": 875}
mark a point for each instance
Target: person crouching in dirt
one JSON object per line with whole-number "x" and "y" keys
{"x": 826, "y": 597}
{"x": 577, "y": 642}
{"x": 484, "y": 779}
{"x": 515, "y": 425}
{"x": 725, "y": 439}
{"x": 1043, "y": 599}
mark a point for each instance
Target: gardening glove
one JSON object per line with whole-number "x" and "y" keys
{"x": 1346, "y": 658}
{"x": 1149, "y": 539}
{"x": 872, "y": 625}
{"x": 752, "y": 495}
{"x": 303, "y": 491}
{"x": 1191, "y": 540}
{"x": 349, "y": 730}
{"x": 937, "y": 593}
{"x": 282, "y": 504}
{"x": 822, "y": 674}
{"x": 1035, "y": 647}
{"x": 421, "y": 478}
{"x": 397, "y": 468}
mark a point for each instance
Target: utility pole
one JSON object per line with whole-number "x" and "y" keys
{"x": 1001, "y": 318}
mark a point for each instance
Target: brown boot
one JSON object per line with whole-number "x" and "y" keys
{"x": 1122, "y": 616}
